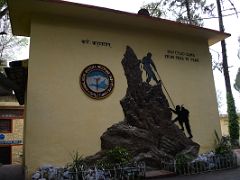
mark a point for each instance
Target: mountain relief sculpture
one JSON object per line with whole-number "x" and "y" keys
{"x": 147, "y": 130}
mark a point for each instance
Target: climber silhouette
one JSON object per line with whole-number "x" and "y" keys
{"x": 148, "y": 66}
{"x": 177, "y": 111}
{"x": 183, "y": 118}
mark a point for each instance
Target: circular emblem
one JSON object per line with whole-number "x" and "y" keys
{"x": 2, "y": 136}
{"x": 97, "y": 81}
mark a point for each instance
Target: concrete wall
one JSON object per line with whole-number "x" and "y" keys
{"x": 61, "y": 119}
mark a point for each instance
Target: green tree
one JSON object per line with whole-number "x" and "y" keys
{"x": 219, "y": 100}
{"x": 239, "y": 48}
{"x": 233, "y": 125}
{"x": 185, "y": 11}
{"x": 9, "y": 44}
{"x": 237, "y": 81}
{"x": 232, "y": 115}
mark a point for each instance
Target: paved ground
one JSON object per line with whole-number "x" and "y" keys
{"x": 231, "y": 174}
{"x": 11, "y": 172}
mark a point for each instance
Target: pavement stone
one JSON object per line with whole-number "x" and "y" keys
{"x": 229, "y": 174}
{"x": 237, "y": 153}
{"x": 158, "y": 173}
{"x": 11, "y": 172}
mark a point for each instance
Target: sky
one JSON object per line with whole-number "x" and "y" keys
{"x": 231, "y": 24}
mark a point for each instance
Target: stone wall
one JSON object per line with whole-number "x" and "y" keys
{"x": 17, "y": 130}
{"x": 17, "y": 154}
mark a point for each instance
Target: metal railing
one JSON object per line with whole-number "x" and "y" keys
{"x": 118, "y": 172}
{"x": 200, "y": 165}
{"x": 204, "y": 163}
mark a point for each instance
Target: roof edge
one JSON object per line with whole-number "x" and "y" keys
{"x": 22, "y": 27}
{"x": 131, "y": 14}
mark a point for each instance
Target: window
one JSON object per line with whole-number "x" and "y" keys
{"x": 5, "y": 125}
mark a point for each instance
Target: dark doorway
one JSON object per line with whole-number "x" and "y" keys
{"x": 5, "y": 155}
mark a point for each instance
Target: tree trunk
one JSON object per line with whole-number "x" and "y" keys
{"x": 188, "y": 11}
{"x": 224, "y": 50}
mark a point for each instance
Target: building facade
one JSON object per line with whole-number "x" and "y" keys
{"x": 66, "y": 38}
{"x": 11, "y": 133}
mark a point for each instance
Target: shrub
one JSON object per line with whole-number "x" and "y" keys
{"x": 223, "y": 145}
{"x": 117, "y": 155}
{"x": 182, "y": 161}
{"x": 77, "y": 164}
{"x": 233, "y": 120}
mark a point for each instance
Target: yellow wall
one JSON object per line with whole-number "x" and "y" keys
{"x": 61, "y": 118}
